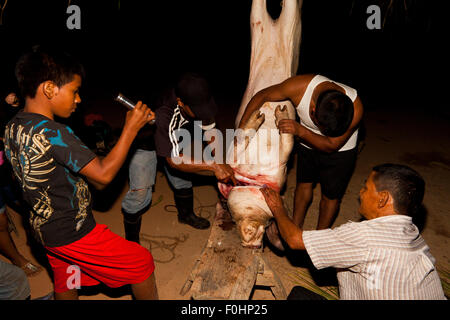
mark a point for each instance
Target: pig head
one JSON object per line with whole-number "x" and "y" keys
{"x": 259, "y": 154}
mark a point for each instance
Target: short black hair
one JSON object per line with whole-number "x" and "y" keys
{"x": 406, "y": 186}
{"x": 334, "y": 113}
{"x": 42, "y": 64}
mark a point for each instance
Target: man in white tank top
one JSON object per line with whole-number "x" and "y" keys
{"x": 330, "y": 114}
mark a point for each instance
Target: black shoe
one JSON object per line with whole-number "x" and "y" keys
{"x": 194, "y": 221}
{"x": 184, "y": 201}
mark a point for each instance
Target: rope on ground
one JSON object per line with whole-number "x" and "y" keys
{"x": 204, "y": 211}
{"x": 154, "y": 244}
{"x": 157, "y": 201}
{"x": 168, "y": 244}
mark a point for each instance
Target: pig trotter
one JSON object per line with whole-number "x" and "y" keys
{"x": 256, "y": 120}
{"x": 281, "y": 113}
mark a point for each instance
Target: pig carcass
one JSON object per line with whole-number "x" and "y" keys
{"x": 260, "y": 154}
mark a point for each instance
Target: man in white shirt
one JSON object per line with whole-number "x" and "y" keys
{"x": 330, "y": 114}
{"x": 383, "y": 257}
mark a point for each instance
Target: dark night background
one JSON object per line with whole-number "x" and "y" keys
{"x": 139, "y": 47}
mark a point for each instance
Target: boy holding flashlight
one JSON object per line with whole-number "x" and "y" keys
{"x": 51, "y": 164}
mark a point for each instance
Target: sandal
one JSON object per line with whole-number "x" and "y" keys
{"x": 31, "y": 270}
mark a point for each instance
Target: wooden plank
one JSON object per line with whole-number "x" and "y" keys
{"x": 226, "y": 272}
{"x": 277, "y": 288}
{"x": 225, "y": 269}
{"x": 245, "y": 282}
{"x": 188, "y": 284}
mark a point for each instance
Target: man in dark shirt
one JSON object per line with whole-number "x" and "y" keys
{"x": 182, "y": 110}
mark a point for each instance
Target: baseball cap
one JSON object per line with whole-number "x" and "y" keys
{"x": 194, "y": 91}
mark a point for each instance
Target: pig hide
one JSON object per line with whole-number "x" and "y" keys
{"x": 260, "y": 154}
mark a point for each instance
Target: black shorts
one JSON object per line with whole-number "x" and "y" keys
{"x": 332, "y": 170}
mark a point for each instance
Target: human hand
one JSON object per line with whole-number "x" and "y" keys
{"x": 12, "y": 99}
{"x": 139, "y": 116}
{"x": 225, "y": 174}
{"x": 290, "y": 126}
{"x": 273, "y": 199}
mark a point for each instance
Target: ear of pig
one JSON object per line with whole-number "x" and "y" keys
{"x": 255, "y": 241}
{"x": 248, "y": 231}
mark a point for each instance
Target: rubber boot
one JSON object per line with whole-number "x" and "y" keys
{"x": 132, "y": 224}
{"x": 184, "y": 201}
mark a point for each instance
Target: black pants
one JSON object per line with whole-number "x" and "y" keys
{"x": 332, "y": 170}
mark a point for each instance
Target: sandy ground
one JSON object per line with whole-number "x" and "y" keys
{"x": 419, "y": 140}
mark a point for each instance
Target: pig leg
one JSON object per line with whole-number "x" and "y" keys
{"x": 246, "y": 133}
{"x": 286, "y": 139}
{"x": 256, "y": 120}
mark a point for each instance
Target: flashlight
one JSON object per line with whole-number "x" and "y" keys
{"x": 128, "y": 103}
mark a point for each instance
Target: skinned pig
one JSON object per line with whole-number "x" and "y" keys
{"x": 260, "y": 154}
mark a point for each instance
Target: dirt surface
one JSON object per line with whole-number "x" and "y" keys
{"x": 414, "y": 138}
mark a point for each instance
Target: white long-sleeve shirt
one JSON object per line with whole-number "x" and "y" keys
{"x": 382, "y": 258}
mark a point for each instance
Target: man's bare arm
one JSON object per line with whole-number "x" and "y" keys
{"x": 290, "y": 89}
{"x": 223, "y": 172}
{"x": 292, "y": 234}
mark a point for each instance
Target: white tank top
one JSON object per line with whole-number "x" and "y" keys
{"x": 303, "y": 109}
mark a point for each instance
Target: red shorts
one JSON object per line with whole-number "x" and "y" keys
{"x": 100, "y": 256}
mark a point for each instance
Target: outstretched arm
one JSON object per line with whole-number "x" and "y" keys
{"x": 223, "y": 172}
{"x": 290, "y": 89}
{"x": 292, "y": 234}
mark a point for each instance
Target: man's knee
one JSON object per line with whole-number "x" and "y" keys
{"x": 142, "y": 195}
{"x": 137, "y": 199}
{"x": 304, "y": 191}
{"x": 307, "y": 186}
{"x": 331, "y": 199}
